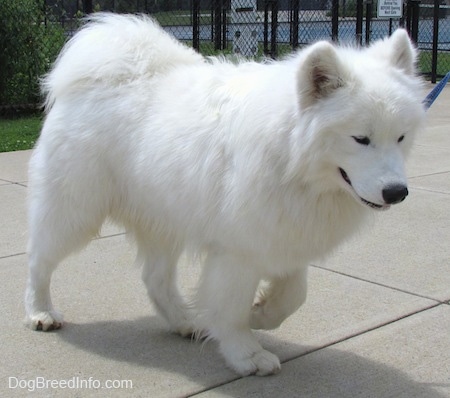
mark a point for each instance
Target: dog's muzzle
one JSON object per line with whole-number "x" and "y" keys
{"x": 391, "y": 193}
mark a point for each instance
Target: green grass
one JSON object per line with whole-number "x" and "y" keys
{"x": 443, "y": 65}
{"x": 207, "y": 49}
{"x": 180, "y": 18}
{"x": 174, "y": 18}
{"x": 19, "y": 134}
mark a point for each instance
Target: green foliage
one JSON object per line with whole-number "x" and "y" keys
{"x": 29, "y": 43}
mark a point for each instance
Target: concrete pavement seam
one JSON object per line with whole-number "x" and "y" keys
{"x": 377, "y": 283}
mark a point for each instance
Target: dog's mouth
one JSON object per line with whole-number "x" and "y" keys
{"x": 363, "y": 201}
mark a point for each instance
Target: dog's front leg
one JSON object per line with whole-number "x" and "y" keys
{"x": 225, "y": 297}
{"x": 278, "y": 299}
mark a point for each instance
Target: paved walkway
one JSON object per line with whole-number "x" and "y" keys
{"x": 376, "y": 322}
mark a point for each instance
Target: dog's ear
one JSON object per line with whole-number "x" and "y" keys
{"x": 320, "y": 74}
{"x": 402, "y": 52}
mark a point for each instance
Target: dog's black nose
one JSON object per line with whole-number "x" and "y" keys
{"x": 395, "y": 193}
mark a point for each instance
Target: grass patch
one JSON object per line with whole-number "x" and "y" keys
{"x": 207, "y": 49}
{"x": 181, "y": 18}
{"x": 443, "y": 65}
{"x": 173, "y": 18}
{"x": 19, "y": 134}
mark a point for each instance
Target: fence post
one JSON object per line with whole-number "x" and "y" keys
{"x": 359, "y": 21}
{"x": 412, "y": 19}
{"x": 266, "y": 29}
{"x": 224, "y": 27}
{"x": 368, "y": 20}
{"x": 415, "y": 21}
{"x": 295, "y": 7}
{"x": 273, "y": 5}
{"x": 217, "y": 24}
{"x": 87, "y": 6}
{"x": 434, "y": 54}
{"x": 196, "y": 24}
{"x": 273, "y": 29}
{"x": 335, "y": 20}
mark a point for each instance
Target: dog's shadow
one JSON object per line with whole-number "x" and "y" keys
{"x": 145, "y": 342}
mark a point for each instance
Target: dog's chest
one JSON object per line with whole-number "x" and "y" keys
{"x": 311, "y": 230}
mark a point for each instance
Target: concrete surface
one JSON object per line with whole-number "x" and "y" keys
{"x": 376, "y": 322}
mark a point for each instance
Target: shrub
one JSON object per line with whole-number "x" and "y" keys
{"x": 28, "y": 45}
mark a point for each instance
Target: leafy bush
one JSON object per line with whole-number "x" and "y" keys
{"x": 29, "y": 43}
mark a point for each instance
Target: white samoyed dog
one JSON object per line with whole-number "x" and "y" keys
{"x": 258, "y": 169}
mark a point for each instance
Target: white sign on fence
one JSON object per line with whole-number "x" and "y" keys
{"x": 244, "y": 27}
{"x": 390, "y": 8}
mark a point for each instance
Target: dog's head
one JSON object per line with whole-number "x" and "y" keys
{"x": 365, "y": 105}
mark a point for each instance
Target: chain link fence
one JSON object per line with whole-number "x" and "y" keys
{"x": 32, "y": 32}
{"x": 433, "y": 38}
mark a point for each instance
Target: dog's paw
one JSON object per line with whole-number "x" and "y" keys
{"x": 261, "y": 363}
{"x": 257, "y": 317}
{"x": 45, "y": 321}
{"x": 184, "y": 329}
{"x": 262, "y": 317}
{"x": 183, "y": 324}
{"x": 247, "y": 357}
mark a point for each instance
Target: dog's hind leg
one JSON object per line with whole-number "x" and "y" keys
{"x": 224, "y": 301}
{"x": 38, "y": 304}
{"x": 58, "y": 225}
{"x": 279, "y": 299}
{"x": 159, "y": 275}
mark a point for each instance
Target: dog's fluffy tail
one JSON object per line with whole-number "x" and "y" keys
{"x": 114, "y": 49}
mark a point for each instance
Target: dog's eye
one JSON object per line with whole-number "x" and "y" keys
{"x": 401, "y": 138}
{"x": 361, "y": 140}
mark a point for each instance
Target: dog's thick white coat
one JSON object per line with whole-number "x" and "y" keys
{"x": 258, "y": 168}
